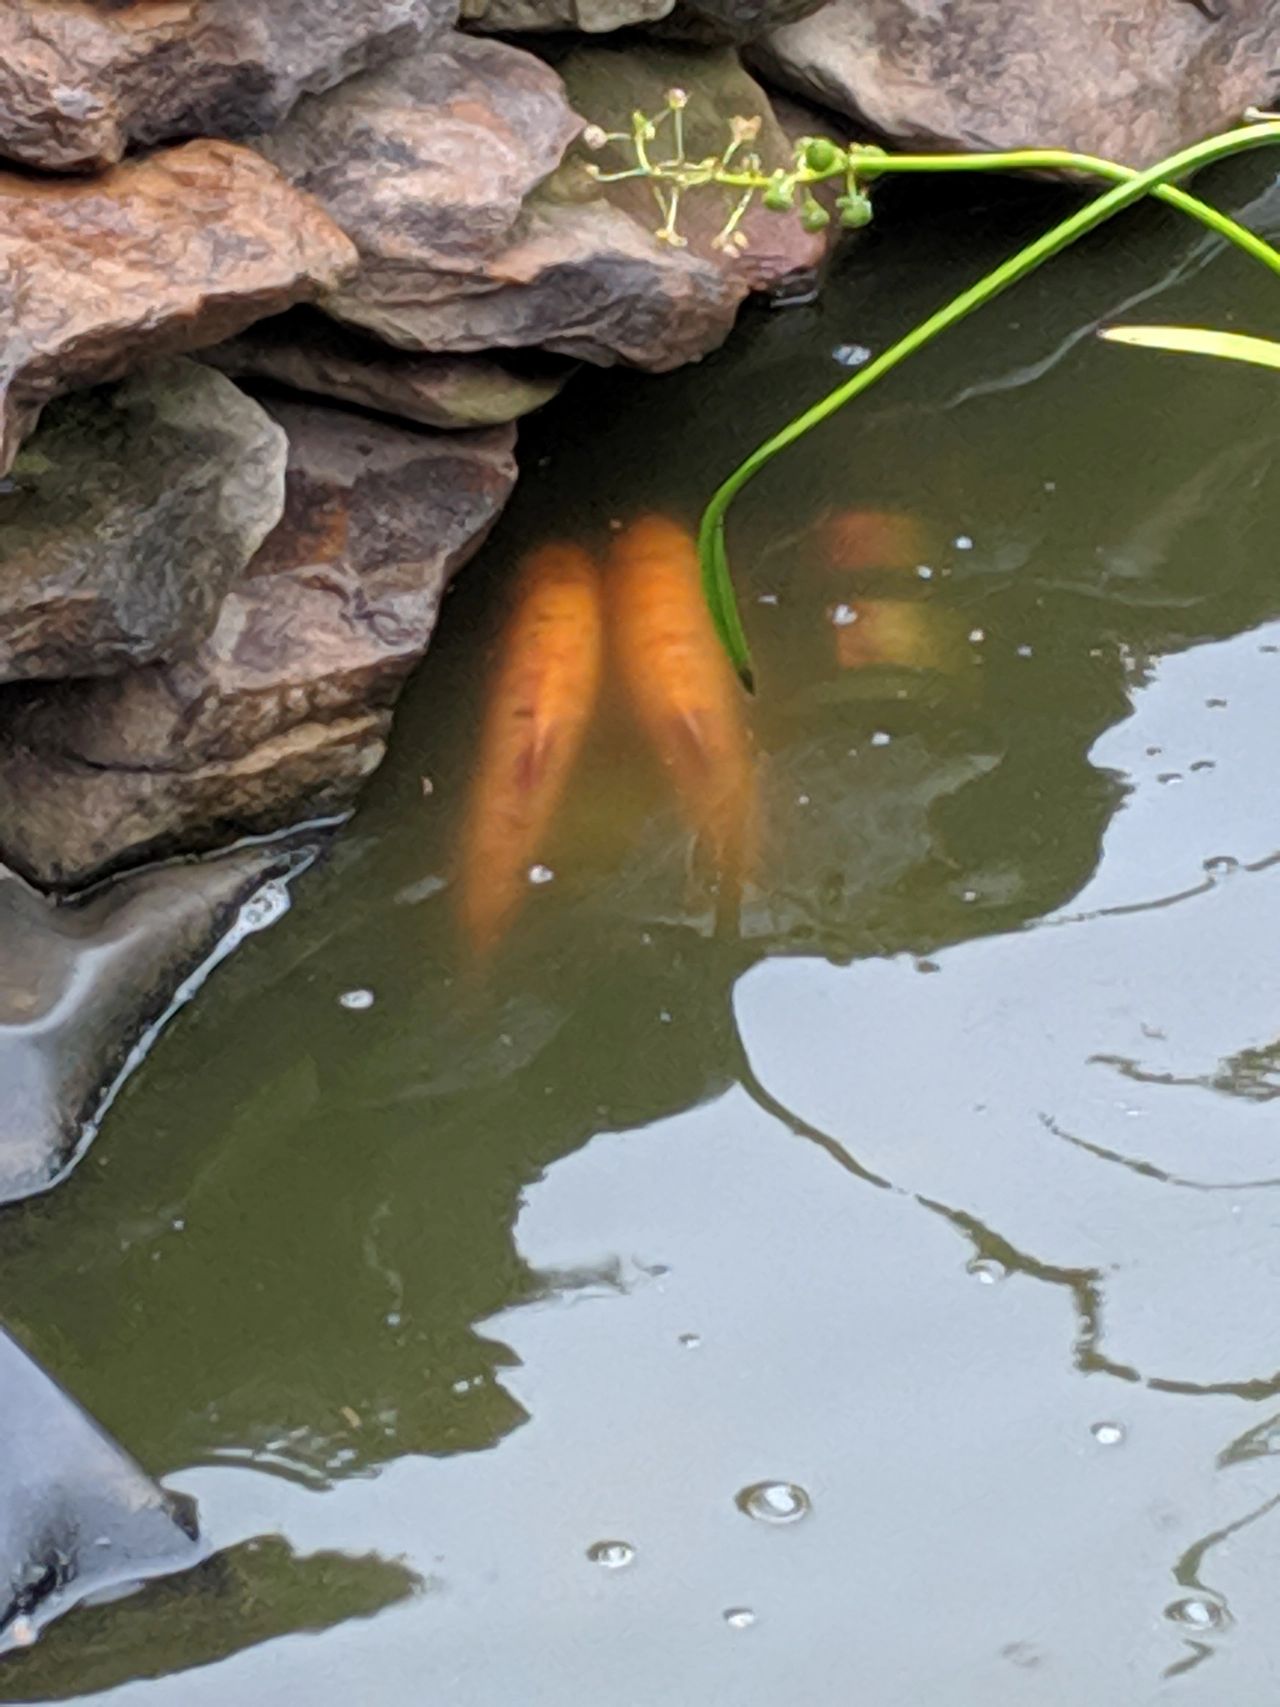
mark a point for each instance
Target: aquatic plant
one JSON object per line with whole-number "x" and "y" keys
{"x": 818, "y": 160}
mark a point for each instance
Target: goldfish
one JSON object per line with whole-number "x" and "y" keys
{"x": 683, "y": 689}
{"x": 540, "y": 705}
{"x": 854, "y": 540}
{"x": 904, "y": 633}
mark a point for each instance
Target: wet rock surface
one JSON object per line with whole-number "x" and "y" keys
{"x": 159, "y": 255}
{"x": 126, "y": 518}
{"x": 1131, "y": 82}
{"x": 283, "y": 711}
{"x": 308, "y": 353}
{"x": 81, "y": 80}
{"x": 81, "y": 984}
{"x": 251, "y": 1594}
{"x": 77, "y": 1516}
{"x": 455, "y": 261}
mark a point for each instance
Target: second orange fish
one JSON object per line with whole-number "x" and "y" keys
{"x": 540, "y": 705}
{"x": 683, "y": 689}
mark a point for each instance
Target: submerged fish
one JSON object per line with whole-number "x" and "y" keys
{"x": 903, "y": 633}
{"x": 683, "y": 689}
{"x": 854, "y": 540}
{"x": 540, "y": 704}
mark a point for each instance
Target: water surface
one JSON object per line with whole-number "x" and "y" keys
{"x": 875, "y": 1302}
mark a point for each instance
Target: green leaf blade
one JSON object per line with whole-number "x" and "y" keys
{"x": 1198, "y": 341}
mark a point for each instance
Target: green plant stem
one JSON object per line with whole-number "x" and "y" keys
{"x": 717, "y": 583}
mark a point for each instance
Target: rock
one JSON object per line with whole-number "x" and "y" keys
{"x": 309, "y": 353}
{"x": 77, "y": 1516}
{"x": 588, "y": 17}
{"x": 83, "y": 985}
{"x": 282, "y": 712}
{"x": 710, "y": 20}
{"x": 80, "y": 80}
{"x": 1131, "y": 80}
{"x": 576, "y": 269}
{"x": 159, "y": 255}
{"x": 127, "y": 517}
{"x": 426, "y": 163}
{"x": 243, "y": 1598}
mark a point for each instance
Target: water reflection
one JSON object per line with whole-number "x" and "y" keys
{"x": 496, "y": 1274}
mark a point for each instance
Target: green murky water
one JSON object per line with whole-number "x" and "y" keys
{"x": 945, "y": 1193}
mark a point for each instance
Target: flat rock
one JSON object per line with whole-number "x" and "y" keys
{"x": 159, "y": 255}
{"x": 1131, "y": 80}
{"x": 81, "y": 79}
{"x": 309, "y": 353}
{"x": 243, "y": 1598}
{"x": 127, "y": 517}
{"x": 82, "y": 985}
{"x": 711, "y": 20}
{"x": 574, "y": 267}
{"x": 427, "y": 163}
{"x": 283, "y": 711}
{"x": 77, "y": 1515}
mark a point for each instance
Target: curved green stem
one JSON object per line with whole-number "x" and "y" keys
{"x": 716, "y": 579}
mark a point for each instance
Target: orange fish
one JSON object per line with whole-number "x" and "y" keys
{"x": 854, "y": 540}
{"x": 906, "y": 634}
{"x": 683, "y": 688}
{"x": 540, "y": 705}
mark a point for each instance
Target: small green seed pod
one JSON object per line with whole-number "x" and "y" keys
{"x": 780, "y": 195}
{"x": 855, "y": 210}
{"x": 822, "y": 155}
{"x": 813, "y": 216}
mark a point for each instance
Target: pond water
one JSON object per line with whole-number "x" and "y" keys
{"x": 873, "y": 1302}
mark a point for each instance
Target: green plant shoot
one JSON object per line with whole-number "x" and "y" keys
{"x": 818, "y": 160}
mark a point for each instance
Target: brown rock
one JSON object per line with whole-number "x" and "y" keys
{"x": 283, "y": 711}
{"x": 127, "y": 517}
{"x": 309, "y": 353}
{"x": 1131, "y": 80}
{"x": 81, "y": 79}
{"x": 576, "y": 269}
{"x": 427, "y": 162}
{"x": 708, "y": 20}
{"x": 158, "y": 255}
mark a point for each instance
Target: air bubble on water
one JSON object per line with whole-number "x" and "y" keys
{"x": 1023, "y": 651}
{"x": 843, "y": 615}
{"x": 977, "y": 635}
{"x": 356, "y": 1001}
{"x": 664, "y": 1016}
{"x": 924, "y": 572}
{"x": 739, "y": 1617}
{"x": 987, "y": 1271}
{"x": 613, "y": 1555}
{"x": 851, "y": 355}
{"x": 881, "y": 738}
{"x": 802, "y": 799}
{"x": 690, "y": 1341}
{"x": 969, "y": 895}
{"x": 1108, "y": 1433}
{"x": 1200, "y": 1612}
{"x": 774, "y": 1502}
{"x": 541, "y": 874}
{"x": 962, "y": 542}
